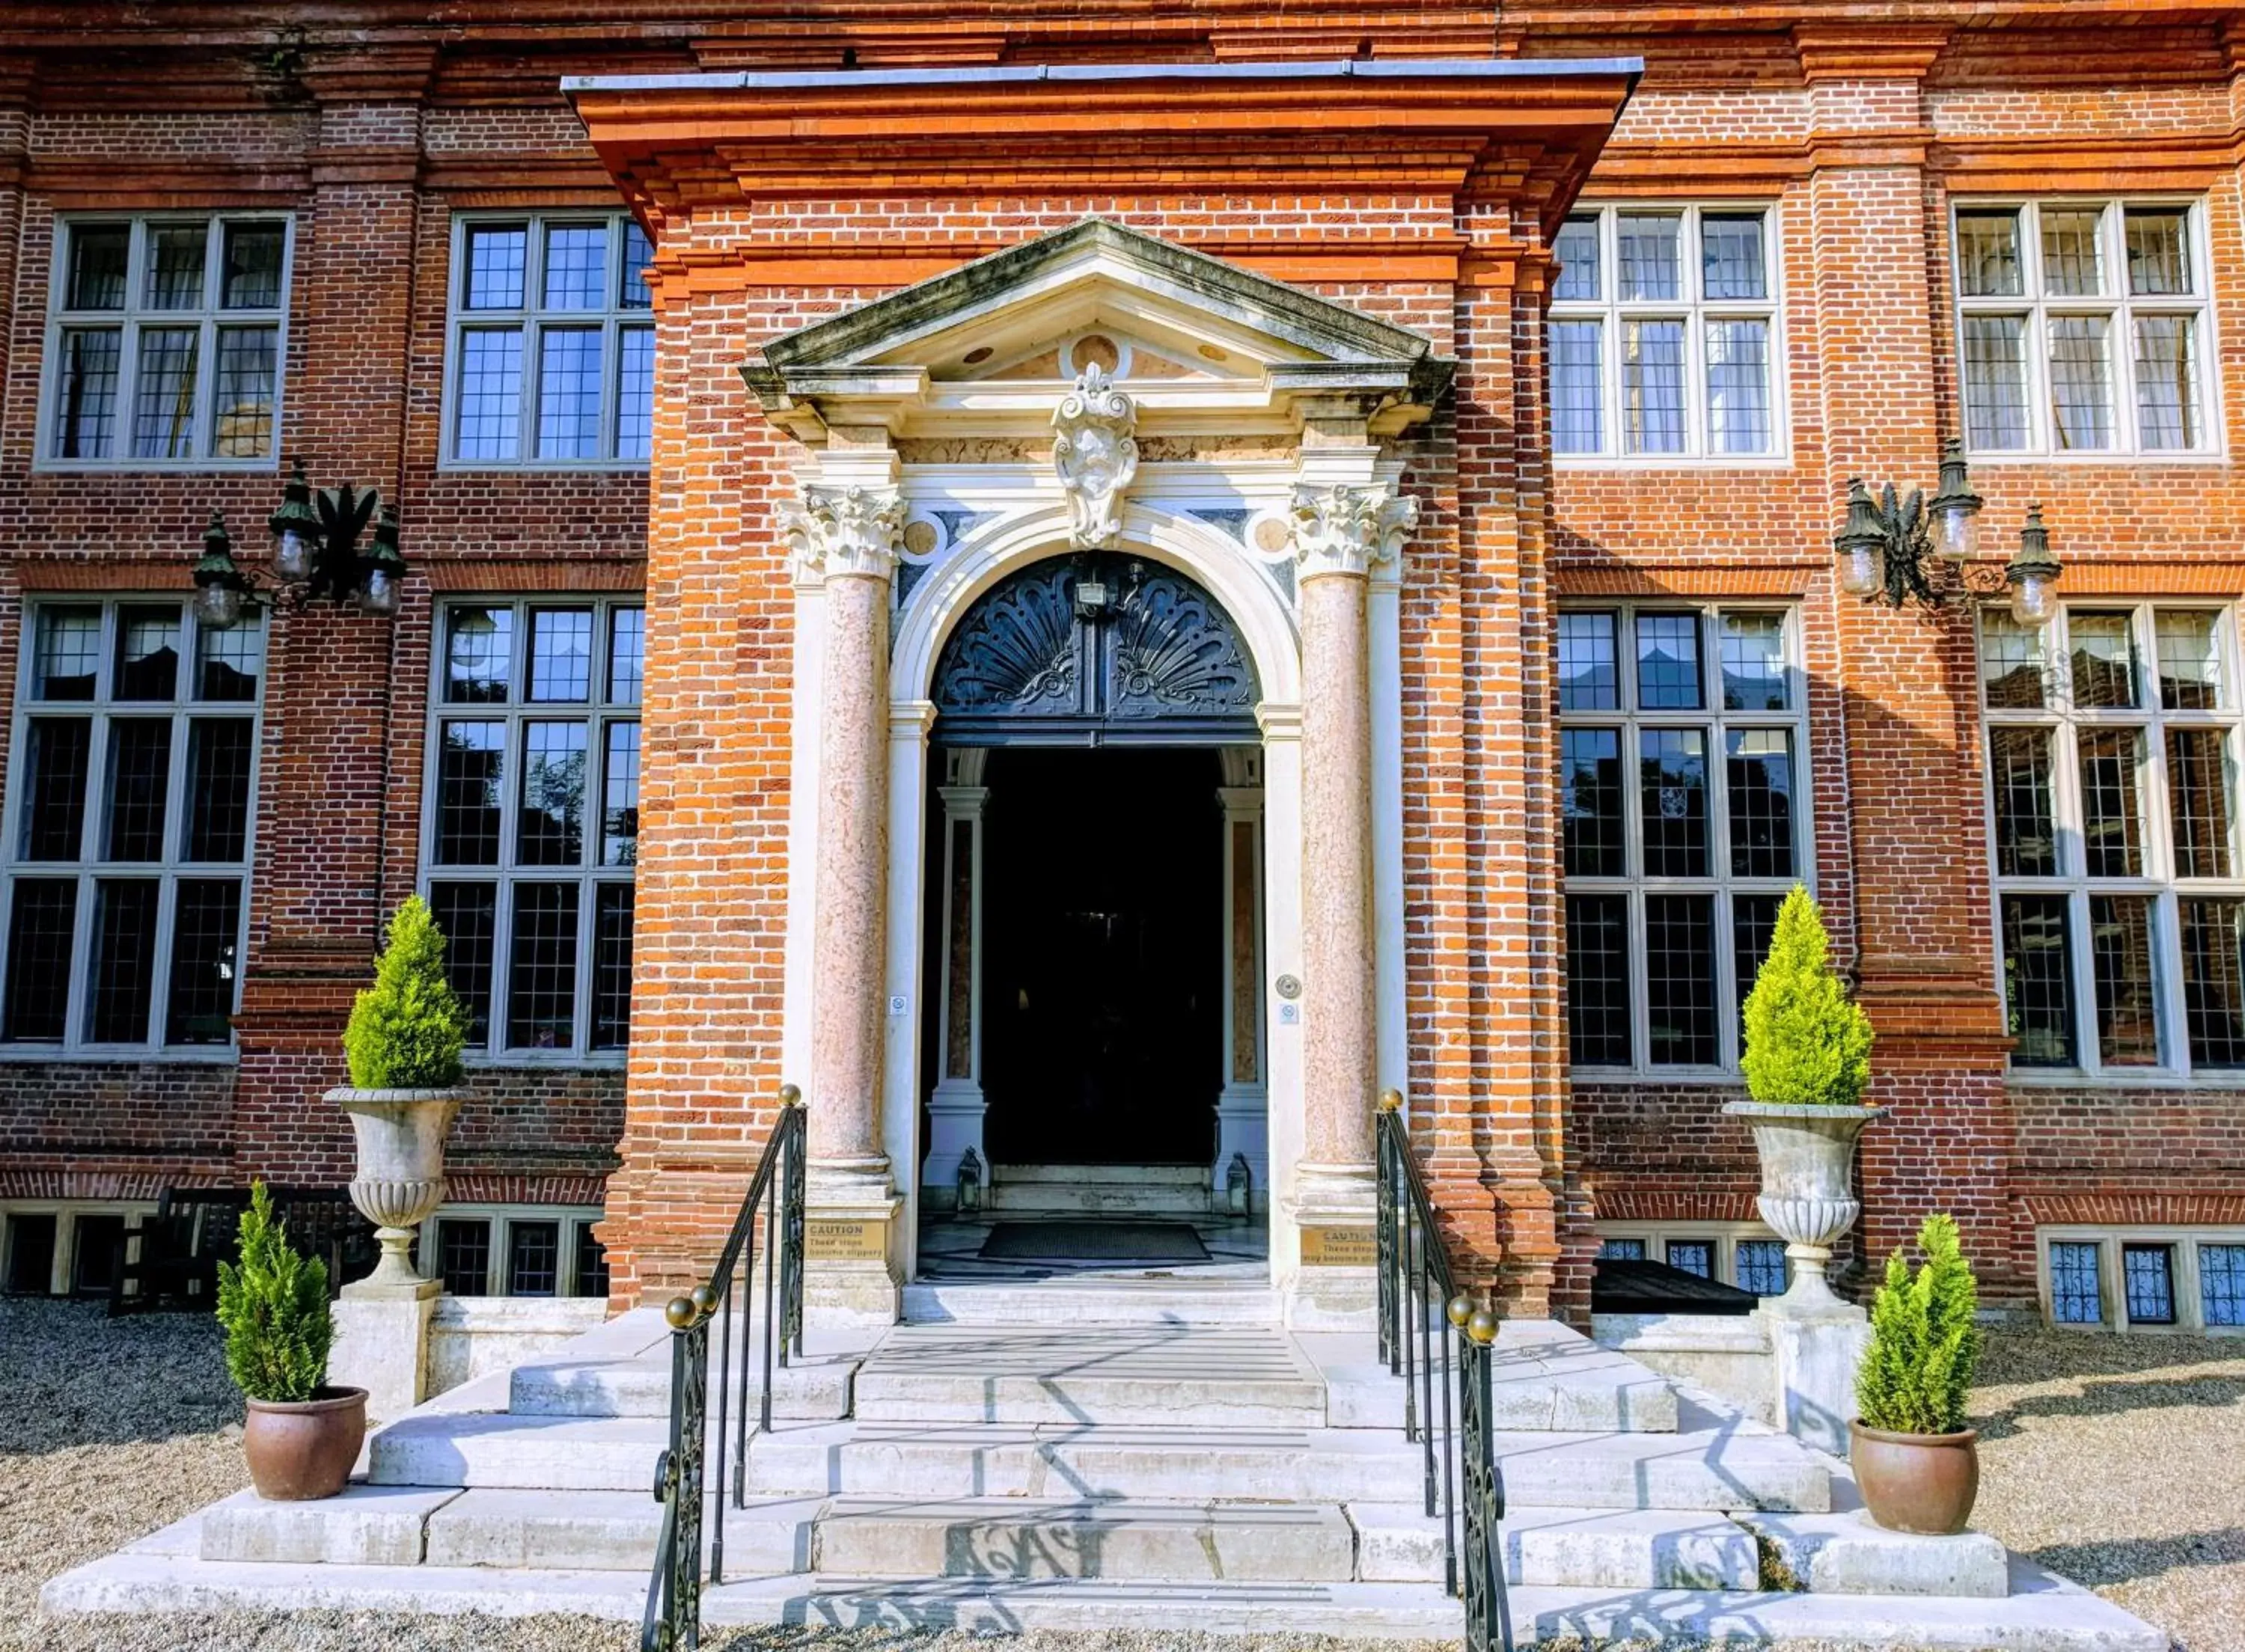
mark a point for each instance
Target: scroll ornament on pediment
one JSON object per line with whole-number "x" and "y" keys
{"x": 1345, "y": 530}
{"x": 1096, "y": 455}
{"x": 847, "y": 530}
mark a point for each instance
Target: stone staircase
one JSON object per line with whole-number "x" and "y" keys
{"x": 1145, "y": 1454}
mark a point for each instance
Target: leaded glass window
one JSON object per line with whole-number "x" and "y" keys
{"x": 2076, "y": 1296}
{"x": 2082, "y": 326}
{"x": 532, "y": 818}
{"x": 2111, "y": 793}
{"x": 1664, "y": 335}
{"x": 2147, "y": 1274}
{"x": 1760, "y": 1267}
{"x": 2222, "y": 1285}
{"x": 165, "y": 340}
{"x": 514, "y": 1250}
{"x": 553, "y": 343}
{"x": 131, "y": 806}
{"x": 1683, "y": 821}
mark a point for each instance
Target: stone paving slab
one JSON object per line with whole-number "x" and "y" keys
{"x": 366, "y": 1526}
{"x": 1847, "y": 1553}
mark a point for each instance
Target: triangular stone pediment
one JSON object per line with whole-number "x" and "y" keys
{"x": 1192, "y": 338}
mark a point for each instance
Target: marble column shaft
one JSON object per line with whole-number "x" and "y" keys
{"x": 1337, "y": 940}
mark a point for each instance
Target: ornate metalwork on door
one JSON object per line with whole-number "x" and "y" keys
{"x": 1096, "y": 649}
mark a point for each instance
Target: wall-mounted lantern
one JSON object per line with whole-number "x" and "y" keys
{"x": 316, "y": 554}
{"x": 970, "y": 1185}
{"x": 1887, "y": 547}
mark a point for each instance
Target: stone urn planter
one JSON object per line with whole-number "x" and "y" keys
{"x": 1807, "y": 1188}
{"x": 300, "y": 1450}
{"x": 1922, "y": 1483}
{"x": 400, "y": 1176}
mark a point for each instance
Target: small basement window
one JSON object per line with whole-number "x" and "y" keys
{"x": 2145, "y": 1278}
{"x": 517, "y": 1251}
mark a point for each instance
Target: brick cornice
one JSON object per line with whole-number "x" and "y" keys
{"x": 1850, "y": 50}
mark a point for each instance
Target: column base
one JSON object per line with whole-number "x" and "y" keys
{"x": 1336, "y": 1285}
{"x": 852, "y": 1277}
{"x": 955, "y": 1111}
{"x": 382, "y": 1343}
{"x": 1243, "y": 1126}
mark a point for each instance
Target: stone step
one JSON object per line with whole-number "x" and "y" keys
{"x": 815, "y": 1389}
{"x": 365, "y": 1526}
{"x": 1098, "y": 1374}
{"x": 1566, "y": 1549}
{"x": 1020, "y": 1538}
{"x": 608, "y": 1531}
{"x": 1846, "y": 1554}
{"x": 961, "y": 1460}
{"x": 1062, "y": 1200}
{"x": 2043, "y": 1613}
{"x": 1066, "y": 1303}
{"x": 1703, "y": 1468}
{"x": 1570, "y": 1386}
{"x": 559, "y": 1454}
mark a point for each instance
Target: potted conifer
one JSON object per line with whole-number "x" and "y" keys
{"x": 403, "y": 1044}
{"x": 300, "y": 1436}
{"x": 1806, "y": 1062}
{"x": 1917, "y": 1464}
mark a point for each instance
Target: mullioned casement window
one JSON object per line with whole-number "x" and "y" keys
{"x": 2112, "y": 760}
{"x": 2083, "y": 327}
{"x": 1745, "y": 1255}
{"x": 513, "y": 1250}
{"x": 2144, "y": 1278}
{"x": 531, "y": 827}
{"x": 132, "y": 796}
{"x": 1682, "y": 736}
{"x": 1663, "y": 335}
{"x": 165, "y": 343}
{"x": 551, "y": 353}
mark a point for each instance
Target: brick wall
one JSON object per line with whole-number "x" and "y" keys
{"x": 1858, "y": 137}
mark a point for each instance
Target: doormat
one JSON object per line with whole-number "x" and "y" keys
{"x": 1094, "y": 1242}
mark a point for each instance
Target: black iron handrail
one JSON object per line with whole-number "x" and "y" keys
{"x": 1427, "y": 1327}
{"x": 673, "y": 1622}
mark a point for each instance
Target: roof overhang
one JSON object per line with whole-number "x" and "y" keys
{"x": 1469, "y": 127}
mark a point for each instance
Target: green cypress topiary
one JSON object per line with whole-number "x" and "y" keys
{"x": 274, "y": 1309}
{"x": 407, "y": 1030}
{"x": 1925, "y": 1342}
{"x": 1808, "y": 1044}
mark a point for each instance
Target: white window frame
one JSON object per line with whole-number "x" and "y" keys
{"x": 1634, "y": 885}
{"x": 531, "y": 320}
{"x": 1724, "y": 1235}
{"x": 2038, "y": 307}
{"x": 597, "y": 712}
{"x": 502, "y": 1218}
{"x": 1695, "y": 312}
{"x": 2158, "y": 882}
{"x": 89, "y": 868}
{"x": 129, "y": 321}
{"x": 2111, "y": 1285}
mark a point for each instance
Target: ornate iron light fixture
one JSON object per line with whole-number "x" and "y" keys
{"x": 316, "y": 554}
{"x": 1888, "y": 545}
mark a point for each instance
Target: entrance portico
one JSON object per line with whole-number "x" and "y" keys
{"x": 1223, "y": 437}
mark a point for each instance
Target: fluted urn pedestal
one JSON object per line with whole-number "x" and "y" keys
{"x": 1808, "y": 1199}
{"x": 382, "y": 1321}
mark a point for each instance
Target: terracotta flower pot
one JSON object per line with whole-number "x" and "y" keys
{"x": 1922, "y": 1483}
{"x": 299, "y": 1450}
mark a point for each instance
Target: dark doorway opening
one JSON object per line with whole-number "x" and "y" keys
{"x": 1102, "y": 962}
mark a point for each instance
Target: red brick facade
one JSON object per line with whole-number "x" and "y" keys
{"x": 1857, "y": 125}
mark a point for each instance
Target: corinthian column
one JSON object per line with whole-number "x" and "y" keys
{"x": 1339, "y": 531}
{"x": 849, "y": 537}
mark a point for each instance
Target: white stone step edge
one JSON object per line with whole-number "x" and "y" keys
{"x": 2042, "y": 1614}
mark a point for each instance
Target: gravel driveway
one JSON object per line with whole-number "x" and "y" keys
{"x": 2118, "y": 1461}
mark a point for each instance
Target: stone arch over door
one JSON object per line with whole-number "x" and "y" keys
{"x": 1097, "y": 648}
{"x": 1187, "y": 559}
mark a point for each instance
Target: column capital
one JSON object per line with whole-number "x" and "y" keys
{"x": 1342, "y": 530}
{"x": 847, "y": 531}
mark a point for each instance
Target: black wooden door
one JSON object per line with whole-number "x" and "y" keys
{"x": 1102, "y": 957}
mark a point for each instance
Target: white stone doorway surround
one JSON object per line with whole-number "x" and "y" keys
{"x": 1244, "y": 445}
